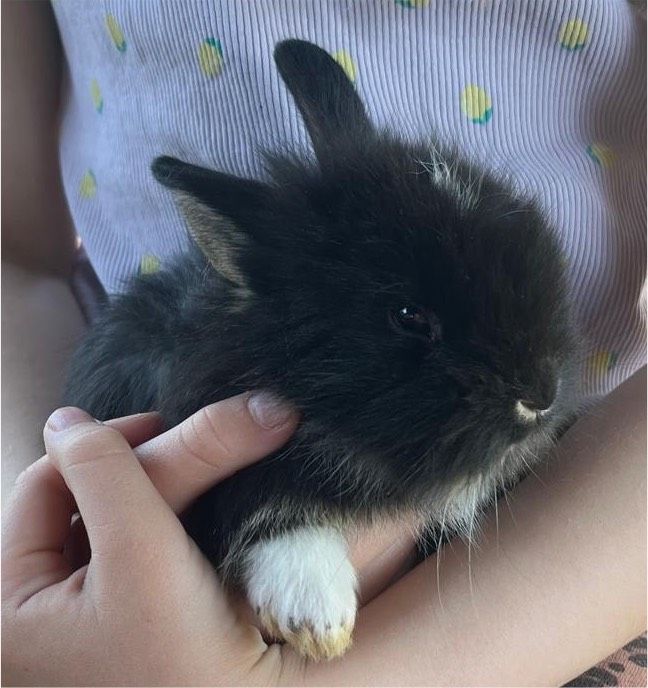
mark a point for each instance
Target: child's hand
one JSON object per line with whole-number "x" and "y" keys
{"x": 138, "y": 603}
{"x": 146, "y": 607}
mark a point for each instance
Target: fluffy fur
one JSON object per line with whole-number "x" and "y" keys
{"x": 294, "y": 285}
{"x": 303, "y": 588}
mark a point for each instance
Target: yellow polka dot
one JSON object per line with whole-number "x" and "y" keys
{"x": 115, "y": 33}
{"x": 601, "y": 154}
{"x": 149, "y": 264}
{"x": 210, "y": 57}
{"x": 345, "y": 61}
{"x": 476, "y": 104}
{"x": 95, "y": 94}
{"x": 88, "y": 185}
{"x": 573, "y": 34}
{"x": 601, "y": 362}
{"x": 411, "y": 4}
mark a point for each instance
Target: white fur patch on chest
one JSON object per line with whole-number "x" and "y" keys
{"x": 303, "y": 588}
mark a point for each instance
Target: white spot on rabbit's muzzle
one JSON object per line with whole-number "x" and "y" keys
{"x": 532, "y": 411}
{"x": 527, "y": 413}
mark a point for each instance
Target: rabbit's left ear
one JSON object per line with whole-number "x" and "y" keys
{"x": 219, "y": 210}
{"x": 327, "y": 100}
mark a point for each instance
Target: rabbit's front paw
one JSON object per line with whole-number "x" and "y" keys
{"x": 303, "y": 588}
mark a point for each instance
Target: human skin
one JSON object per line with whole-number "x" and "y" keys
{"x": 524, "y": 609}
{"x": 558, "y": 579}
{"x": 41, "y": 321}
{"x": 135, "y": 602}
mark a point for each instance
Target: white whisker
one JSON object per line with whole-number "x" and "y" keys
{"x": 508, "y": 504}
{"x": 496, "y": 519}
{"x": 528, "y": 466}
{"x": 438, "y": 555}
{"x": 470, "y": 542}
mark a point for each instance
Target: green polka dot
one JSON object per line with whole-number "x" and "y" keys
{"x": 115, "y": 33}
{"x": 88, "y": 185}
{"x": 602, "y": 362}
{"x": 149, "y": 264}
{"x": 210, "y": 57}
{"x": 573, "y": 34}
{"x": 601, "y": 154}
{"x": 476, "y": 104}
{"x": 345, "y": 61}
{"x": 95, "y": 94}
{"x": 412, "y": 4}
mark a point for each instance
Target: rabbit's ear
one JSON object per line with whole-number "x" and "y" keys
{"x": 217, "y": 207}
{"x": 325, "y": 96}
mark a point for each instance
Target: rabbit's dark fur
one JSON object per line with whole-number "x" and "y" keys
{"x": 295, "y": 286}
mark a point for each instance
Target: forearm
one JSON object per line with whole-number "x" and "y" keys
{"x": 36, "y": 226}
{"x": 41, "y": 323}
{"x": 560, "y": 587}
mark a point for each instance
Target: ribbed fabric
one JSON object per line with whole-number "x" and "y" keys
{"x": 553, "y": 92}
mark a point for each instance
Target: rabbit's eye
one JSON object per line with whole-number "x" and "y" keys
{"x": 416, "y": 321}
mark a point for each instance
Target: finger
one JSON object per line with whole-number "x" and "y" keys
{"x": 137, "y": 428}
{"x": 214, "y": 443}
{"x": 38, "y": 515}
{"x": 119, "y": 505}
{"x": 35, "y": 526}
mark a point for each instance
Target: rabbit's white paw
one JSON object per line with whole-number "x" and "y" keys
{"x": 303, "y": 588}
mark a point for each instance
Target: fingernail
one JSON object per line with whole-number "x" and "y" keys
{"x": 268, "y": 411}
{"x": 66, "y": 417}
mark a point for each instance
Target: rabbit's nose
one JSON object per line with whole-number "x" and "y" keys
{"x": 530, "y": 411}
{"x": 539, "y": 403}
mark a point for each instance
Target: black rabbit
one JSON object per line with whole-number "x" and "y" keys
{"x": 406, "y": 302}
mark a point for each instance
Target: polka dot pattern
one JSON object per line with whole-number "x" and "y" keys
{"x": 97, "y": 98}
{"x": 88, "y": 185}
{"x": 206, "y": 82}
{"x": 115, "y": 33}
{"x": 601, "y": 154}
{"x": 601, "y": 362}
{"x": 413, "y": 4}
{"x": 345, "y": 61}
{"x": 210, "y": 57}
{"x": 149, "y": 264}
{"x": 476, "y": 104}
{"x": 573, "y": 34}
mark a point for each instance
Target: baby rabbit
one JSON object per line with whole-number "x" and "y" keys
{"x": 407, "y": 303}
